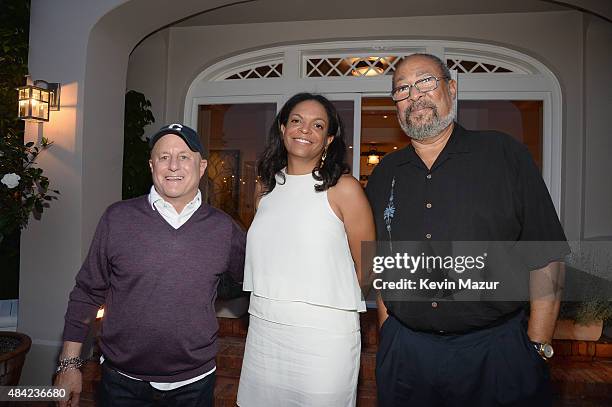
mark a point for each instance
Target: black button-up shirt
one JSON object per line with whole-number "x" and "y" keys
{"x": 484, "y": 186}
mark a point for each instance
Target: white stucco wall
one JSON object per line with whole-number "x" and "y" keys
{"x": 147, "y": 71}
{"x": 598, "y": 134}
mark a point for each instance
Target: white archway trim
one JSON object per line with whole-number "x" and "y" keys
{"x": 529, "y": 79}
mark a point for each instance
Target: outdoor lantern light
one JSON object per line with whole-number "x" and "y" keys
{"x": 35, "y": 101}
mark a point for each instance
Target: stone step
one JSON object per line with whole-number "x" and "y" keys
{"x": 582, "y": 350}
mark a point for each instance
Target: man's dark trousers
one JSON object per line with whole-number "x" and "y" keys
{"x": 117, "y": 390}
{"x": 491, "y": 367}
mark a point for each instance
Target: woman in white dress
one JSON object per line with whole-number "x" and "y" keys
{"x": 303, "y": 265}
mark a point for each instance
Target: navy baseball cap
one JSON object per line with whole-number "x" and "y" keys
{"x": 188, "y": 135}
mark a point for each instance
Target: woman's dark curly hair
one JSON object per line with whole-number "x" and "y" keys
{"x": 274, "y": 157}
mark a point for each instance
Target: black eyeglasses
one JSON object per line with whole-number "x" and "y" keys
{"x": 422, "y": 85}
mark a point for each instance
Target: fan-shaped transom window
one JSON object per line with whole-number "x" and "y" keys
{"x": 267, "y": 70}
{"x": 349, "y": 66}
{"x": 361, "y": 66}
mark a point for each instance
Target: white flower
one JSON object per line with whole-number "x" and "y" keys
{"x": 10, "y": 180}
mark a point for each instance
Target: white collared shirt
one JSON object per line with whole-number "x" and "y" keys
{"x": 176, "y": 220}
{"x": 165, "y": 209}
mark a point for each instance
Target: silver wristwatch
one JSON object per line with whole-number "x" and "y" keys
{"x": 545, "y": 350}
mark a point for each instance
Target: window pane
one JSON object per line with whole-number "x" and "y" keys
{"x": 380, "y": 133}
{"x": 235, "y": 136}
{"x": 522, "y": 119}
{"x": 346, "y": 109}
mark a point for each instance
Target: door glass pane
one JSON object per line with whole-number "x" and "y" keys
{"x": 522, "y": 119}
{"x": 380, "y": 133}
{"x": 234, "y": 135}
{"x": 346, "y": 111}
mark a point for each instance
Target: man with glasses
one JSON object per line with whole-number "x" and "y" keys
{"x": 455, "y": 185}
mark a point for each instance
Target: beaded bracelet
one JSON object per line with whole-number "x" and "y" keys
{"x": 69, "y": 363}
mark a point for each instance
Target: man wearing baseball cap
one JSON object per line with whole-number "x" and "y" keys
{"x": 154, "y": 264}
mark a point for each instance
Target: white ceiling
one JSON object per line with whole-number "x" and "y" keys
{"x": 259, "y": 11}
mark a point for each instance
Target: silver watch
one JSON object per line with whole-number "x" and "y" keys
{"x": 545, "y": 350}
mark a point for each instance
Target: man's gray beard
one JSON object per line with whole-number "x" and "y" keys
{"x": 431, "y": 129}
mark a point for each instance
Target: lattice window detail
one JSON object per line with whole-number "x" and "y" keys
{"x": 324, "y": 66}
{"x": 349, "y": 66}
{"x": 466, "y": 66}
{"x": 271, "y": 70}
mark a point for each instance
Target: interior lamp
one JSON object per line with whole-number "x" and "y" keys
{"x": 369, "y": 66}
{"x": 373, "y": 156}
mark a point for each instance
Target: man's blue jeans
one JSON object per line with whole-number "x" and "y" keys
{"x": 117, "y": 390}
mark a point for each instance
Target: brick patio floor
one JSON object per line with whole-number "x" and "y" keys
{"x": 581, "y": 371}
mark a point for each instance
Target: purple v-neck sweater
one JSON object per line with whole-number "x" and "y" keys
{"x": 158, "y": 286}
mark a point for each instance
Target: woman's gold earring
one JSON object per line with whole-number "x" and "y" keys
{"x": 323, "y": 156}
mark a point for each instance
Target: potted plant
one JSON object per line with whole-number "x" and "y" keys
{"x": 136, "y": 174}
{"x": 13, "y": 349}
{"x": 24, "y": 192}
{"x": 588, "y": 293}
{"x": 583, "y": 320}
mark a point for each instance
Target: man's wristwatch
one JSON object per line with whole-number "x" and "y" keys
{"x": 545, "y": 350}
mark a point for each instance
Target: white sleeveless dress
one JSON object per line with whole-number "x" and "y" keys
{"x": 303, "y": 345}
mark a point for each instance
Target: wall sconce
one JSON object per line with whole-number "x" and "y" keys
{"x": 37, "y": 99}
